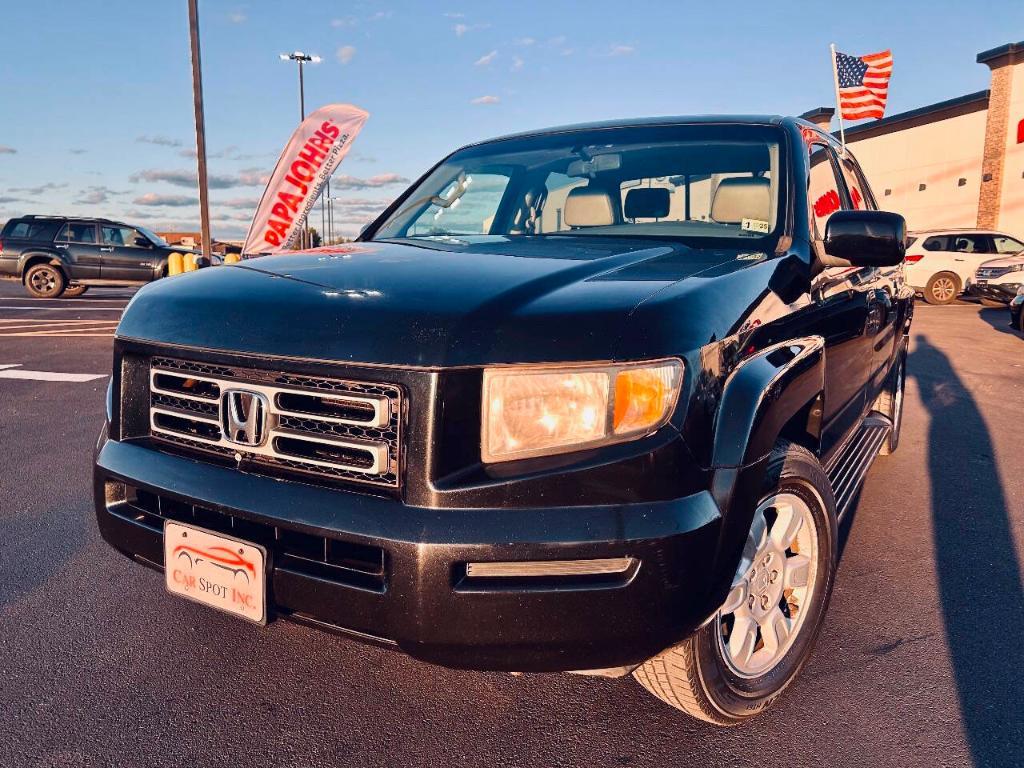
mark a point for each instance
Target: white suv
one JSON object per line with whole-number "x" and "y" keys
{"x": 941, "y": 263}
{"x": 997, "y": 282}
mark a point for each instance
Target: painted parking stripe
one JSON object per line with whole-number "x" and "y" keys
{"x": 17, "y": 372}
{"x": 64, "y": 309}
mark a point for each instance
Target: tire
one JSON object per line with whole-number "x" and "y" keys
{"x": 699, "y": 676}
{"x": 992, "y": 303}
{"x": 890, "y": 403}
{"x": 942, "y": 288}
{"x": 74, "y": 290}
{"x": 45, "y": 281}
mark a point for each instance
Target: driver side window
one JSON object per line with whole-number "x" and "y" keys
{"x": 120, "y": 236}
{"x": 824, "y": 191}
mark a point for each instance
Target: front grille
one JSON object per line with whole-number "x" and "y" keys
{"x": 987, "y": 273}
{"x": 335, "y": 560}
{"x": 283, "y": 423}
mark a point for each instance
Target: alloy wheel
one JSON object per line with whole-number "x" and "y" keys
{"x": 43, "y": 280}
{"x": 943, "y": 289}
{"x": 773, "y": 587}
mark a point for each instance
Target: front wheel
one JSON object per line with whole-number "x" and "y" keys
{"x": 738, "y": 663}
{"x": 45, "y": 281}
{"x": 75, "y": 290}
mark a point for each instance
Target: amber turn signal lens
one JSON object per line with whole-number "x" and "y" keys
{"x": 644, "y": 397}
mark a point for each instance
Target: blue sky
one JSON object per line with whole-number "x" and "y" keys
{"x": 96, "y": 104}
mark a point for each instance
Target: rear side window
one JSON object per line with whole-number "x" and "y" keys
{"x": 970, "y": 244}
{"x": 911, "y": 241}
{"x": 936, "y": 244}
{"x": 77, "y": 232}
{"x": 29, "y": 230}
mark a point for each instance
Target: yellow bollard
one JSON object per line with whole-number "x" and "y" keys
{"x": 190, "y": 262}
{"x": 232, "y": 258}
{"x": 174, "y": 264}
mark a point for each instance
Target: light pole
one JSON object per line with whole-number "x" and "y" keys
{"x": 301, "y": 58}
{"x": 197, "y": 97}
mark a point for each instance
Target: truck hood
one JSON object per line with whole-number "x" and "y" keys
{"x": 435, "y": 303}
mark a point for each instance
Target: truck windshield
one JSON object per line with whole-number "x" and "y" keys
{"x": 689, "y": 181}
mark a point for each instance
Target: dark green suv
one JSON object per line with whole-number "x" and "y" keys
{"x": 62, "y": 256}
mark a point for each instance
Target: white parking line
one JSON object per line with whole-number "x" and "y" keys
{"x": 64, "y": 309}
{"x": 17, "y": 372}
{"x": 70, "y": 328}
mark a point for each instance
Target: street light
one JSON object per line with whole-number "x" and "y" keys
{"x": 301, "y": 58}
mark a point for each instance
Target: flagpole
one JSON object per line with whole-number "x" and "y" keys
{"x": 839, "y": 106}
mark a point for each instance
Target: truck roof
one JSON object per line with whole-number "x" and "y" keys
{"x": 651, "y": 121}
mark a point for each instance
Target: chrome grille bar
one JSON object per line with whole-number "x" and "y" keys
{"x": 313, "y": 433}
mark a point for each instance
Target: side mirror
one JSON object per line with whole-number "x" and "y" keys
{"x": 866, "y": 238}
{"x": 141, "y": 242}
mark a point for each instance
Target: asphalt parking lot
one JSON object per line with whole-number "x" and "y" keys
{"x": 919, "y": 663}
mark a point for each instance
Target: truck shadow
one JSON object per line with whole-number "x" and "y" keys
{"x": 977, "y": 565}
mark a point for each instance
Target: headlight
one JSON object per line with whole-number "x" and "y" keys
{"x": 1015, "y": 267}
{"x": 537, "y": 411}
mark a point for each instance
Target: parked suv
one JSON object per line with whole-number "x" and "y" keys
{"x": 62, "y": 256}
{"x": 589, "y": 399}
{"x": 996, "y": 282}
{"x": 941, "y": 263}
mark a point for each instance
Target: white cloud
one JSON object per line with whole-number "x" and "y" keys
{"x": 346, "y": 53}
{"x": 620, "y": 50}
{"x": 485, "y": 100}
{"x": 460, "y": 29}
{"x": 174, "y": 201}
{"x": 486, "y": 59}
{"x": 345, "y": 21}
{"x": 7, "y": 150}
{"x": 237, "y": 17}
{"x": 454, "y": 15}
{"x": 161, "y": 141}
{"x": 380, "y": 180}
{"x": 517, "y": 64}
{"x": 526, "y": 41}
{"x": 381, "y": 15}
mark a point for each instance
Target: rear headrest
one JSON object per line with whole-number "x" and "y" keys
{"x": 585, "y": 207}
{"x": 741, "y": 197}
{"x": 648, "y": 203}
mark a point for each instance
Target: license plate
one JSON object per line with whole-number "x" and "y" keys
{"x": 216, "y": 570}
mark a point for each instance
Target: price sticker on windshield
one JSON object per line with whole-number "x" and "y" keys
{"x": 756, "y": 225}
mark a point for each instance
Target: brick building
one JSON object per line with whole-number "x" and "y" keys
{"x": 957, "y": 163}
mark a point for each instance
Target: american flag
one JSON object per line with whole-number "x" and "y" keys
{"x": 863, "y": 83}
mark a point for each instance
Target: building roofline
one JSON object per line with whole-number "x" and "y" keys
{"x": 971, "y": 102}
{"x": 1003, "y": 50}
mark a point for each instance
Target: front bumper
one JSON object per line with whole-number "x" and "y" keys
{"x": 385, "y": 571}
{"x": 1003, "y": 292}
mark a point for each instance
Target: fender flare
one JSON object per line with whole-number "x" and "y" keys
{"x": 49, "y": 256}
{"x": 761, "y": 395}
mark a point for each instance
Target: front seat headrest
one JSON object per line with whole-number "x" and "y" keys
{"x": 742, "y": 197}
{"x": 586, "y": 207}
{"x": 648, "y": 203}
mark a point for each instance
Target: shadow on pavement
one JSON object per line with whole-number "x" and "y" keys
{"x": 978, "y": 566}
{"x": 998, "y": 318}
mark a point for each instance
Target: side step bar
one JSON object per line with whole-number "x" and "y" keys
{"x": 846, "y": 470}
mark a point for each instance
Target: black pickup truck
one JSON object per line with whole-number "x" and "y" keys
{"x": 57, "y": 256}
{"x": 584, "y": 399}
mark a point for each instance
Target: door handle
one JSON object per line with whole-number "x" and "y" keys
{"x": 58, "y": 245}
{"x": 107, "y": 250}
